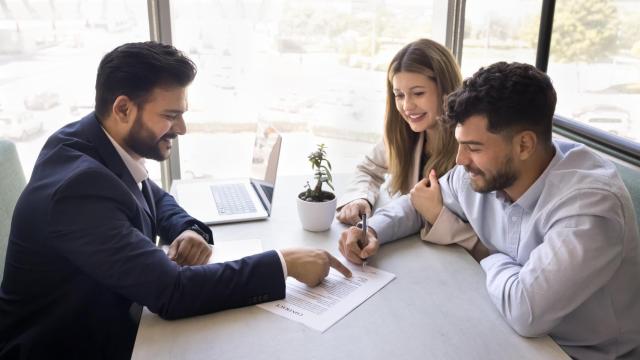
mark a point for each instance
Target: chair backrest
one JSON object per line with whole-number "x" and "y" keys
{"x": 12, "y": 183}
{"x": 631, "y": 178}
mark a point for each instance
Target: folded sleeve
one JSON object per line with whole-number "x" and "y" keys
{"x": 395, "y": 220}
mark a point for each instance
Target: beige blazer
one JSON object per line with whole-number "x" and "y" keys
{"x": 449, "y": 229}
{"x": 372, "y": 172}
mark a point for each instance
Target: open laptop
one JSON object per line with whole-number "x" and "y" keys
{"x": 226, "y": 201}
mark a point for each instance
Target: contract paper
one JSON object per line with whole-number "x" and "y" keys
{"x": 322, "y": 306}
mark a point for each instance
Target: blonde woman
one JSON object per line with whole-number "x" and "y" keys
{"x": 417, "y": 148}
{"x": 419, "y": 77}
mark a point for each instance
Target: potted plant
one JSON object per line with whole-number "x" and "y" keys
{"x": 317, "y": 207}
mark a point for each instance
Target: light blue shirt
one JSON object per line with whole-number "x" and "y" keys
{"x": 565, "y": 256}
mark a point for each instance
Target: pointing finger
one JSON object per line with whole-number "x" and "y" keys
{"x": 336, "y": 264}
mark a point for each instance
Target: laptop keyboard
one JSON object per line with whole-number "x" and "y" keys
{"x": 232, "y": 199}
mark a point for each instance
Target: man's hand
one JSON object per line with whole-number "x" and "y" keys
{"x": 310, "y": 266}
{"x": 189, "y": 248}
{"x": 427, "y": 198}
{"x": 355, "y": 248}
{"x": 351, "y": 212}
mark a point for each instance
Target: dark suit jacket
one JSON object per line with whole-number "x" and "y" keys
{"x": 81, "y": 253}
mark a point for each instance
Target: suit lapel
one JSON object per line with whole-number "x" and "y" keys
{"x": 114, "y": 162}
{"x": 148, "y": 196}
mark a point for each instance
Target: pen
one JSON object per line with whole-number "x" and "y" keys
{"x": 364, "y": 228}
{"x": 363, "y": 242}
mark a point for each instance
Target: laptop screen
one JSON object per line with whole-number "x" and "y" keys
{"x": 264, "y": 165}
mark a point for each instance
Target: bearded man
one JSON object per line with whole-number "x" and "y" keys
{"x": 82, "y": 254}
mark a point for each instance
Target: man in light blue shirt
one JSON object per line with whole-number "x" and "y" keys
{"x": 557, "y": 219}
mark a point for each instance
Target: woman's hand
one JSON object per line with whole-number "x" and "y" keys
{"x": 350, "y": 213}
{"x": 426, "y": 197}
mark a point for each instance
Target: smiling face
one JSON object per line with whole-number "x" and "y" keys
{"x": 417, "y": 100}
{"x": 488, "y": 158}
{"x": 157, "y": 123}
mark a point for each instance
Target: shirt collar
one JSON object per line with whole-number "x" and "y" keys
{"x": 136, "y": 167}
{"x": 529, "y": 199}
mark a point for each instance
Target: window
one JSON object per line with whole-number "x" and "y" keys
{"x": 49, "y": 54}
{"x": 595, "y": 64}
{"x": 316, "y": 70}
{"x": 499, "y": 30}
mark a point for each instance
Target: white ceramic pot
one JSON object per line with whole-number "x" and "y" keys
{"x": 316, "y": 216}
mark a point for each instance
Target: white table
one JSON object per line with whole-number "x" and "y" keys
{"x": 436, "y": 308}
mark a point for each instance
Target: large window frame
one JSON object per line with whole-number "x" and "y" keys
{"x": 626, "y": 150}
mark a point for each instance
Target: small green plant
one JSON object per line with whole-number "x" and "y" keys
{"x": 322, "y": 173}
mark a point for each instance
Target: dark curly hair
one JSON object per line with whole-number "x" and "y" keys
{"x": 135, "y": 69}
{"x": 513, "y": 96}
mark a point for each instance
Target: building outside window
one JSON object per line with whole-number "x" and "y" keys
{"x": 49, "y": 55}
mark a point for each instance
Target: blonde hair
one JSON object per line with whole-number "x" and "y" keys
{"x": 435, "y": 61}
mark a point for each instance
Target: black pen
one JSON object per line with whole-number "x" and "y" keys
{"x": 364, "y": 228}
{"x": 363, "y": 242}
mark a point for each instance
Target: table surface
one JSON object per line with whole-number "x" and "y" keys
{"x": 436, "y": 308}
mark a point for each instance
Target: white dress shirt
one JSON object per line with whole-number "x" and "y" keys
{"x": 136, "y": 167}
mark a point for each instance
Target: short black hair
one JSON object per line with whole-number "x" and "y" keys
{"x": 513, "y": 96}
{"x": 135, "y": 69}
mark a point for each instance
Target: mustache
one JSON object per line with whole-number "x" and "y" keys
{"x": 169, "y": 136}
{"x": 473, "y": 170}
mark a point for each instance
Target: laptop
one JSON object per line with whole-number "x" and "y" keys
{"x": 228, "y": 201}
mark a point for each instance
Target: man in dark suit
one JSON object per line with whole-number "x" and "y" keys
{"x": 82, "y": 252}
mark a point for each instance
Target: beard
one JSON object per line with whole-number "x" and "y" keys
{"x": 143, "y": 142}
{"x": 504, "y": 177}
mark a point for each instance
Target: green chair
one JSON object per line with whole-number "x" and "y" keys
{"x": 12, "y": 183}
{"x": 631, "y": 178}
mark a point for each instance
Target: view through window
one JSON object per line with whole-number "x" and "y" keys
{"x": 49, "y": 55}
{"x": 595, "y": 54}
{"x": 314, "y": 69}
{"x": 595, "y": 64}
{"x": 499, "y": 30}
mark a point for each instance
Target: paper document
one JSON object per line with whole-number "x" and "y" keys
{"x": 231, "y": 250}
{"x": 322, "y": 306}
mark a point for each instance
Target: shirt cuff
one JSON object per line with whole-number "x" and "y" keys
{"x": 284, "y": 264}
{"x": 378, "y": 224}
{"x": 494, "y": 259}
